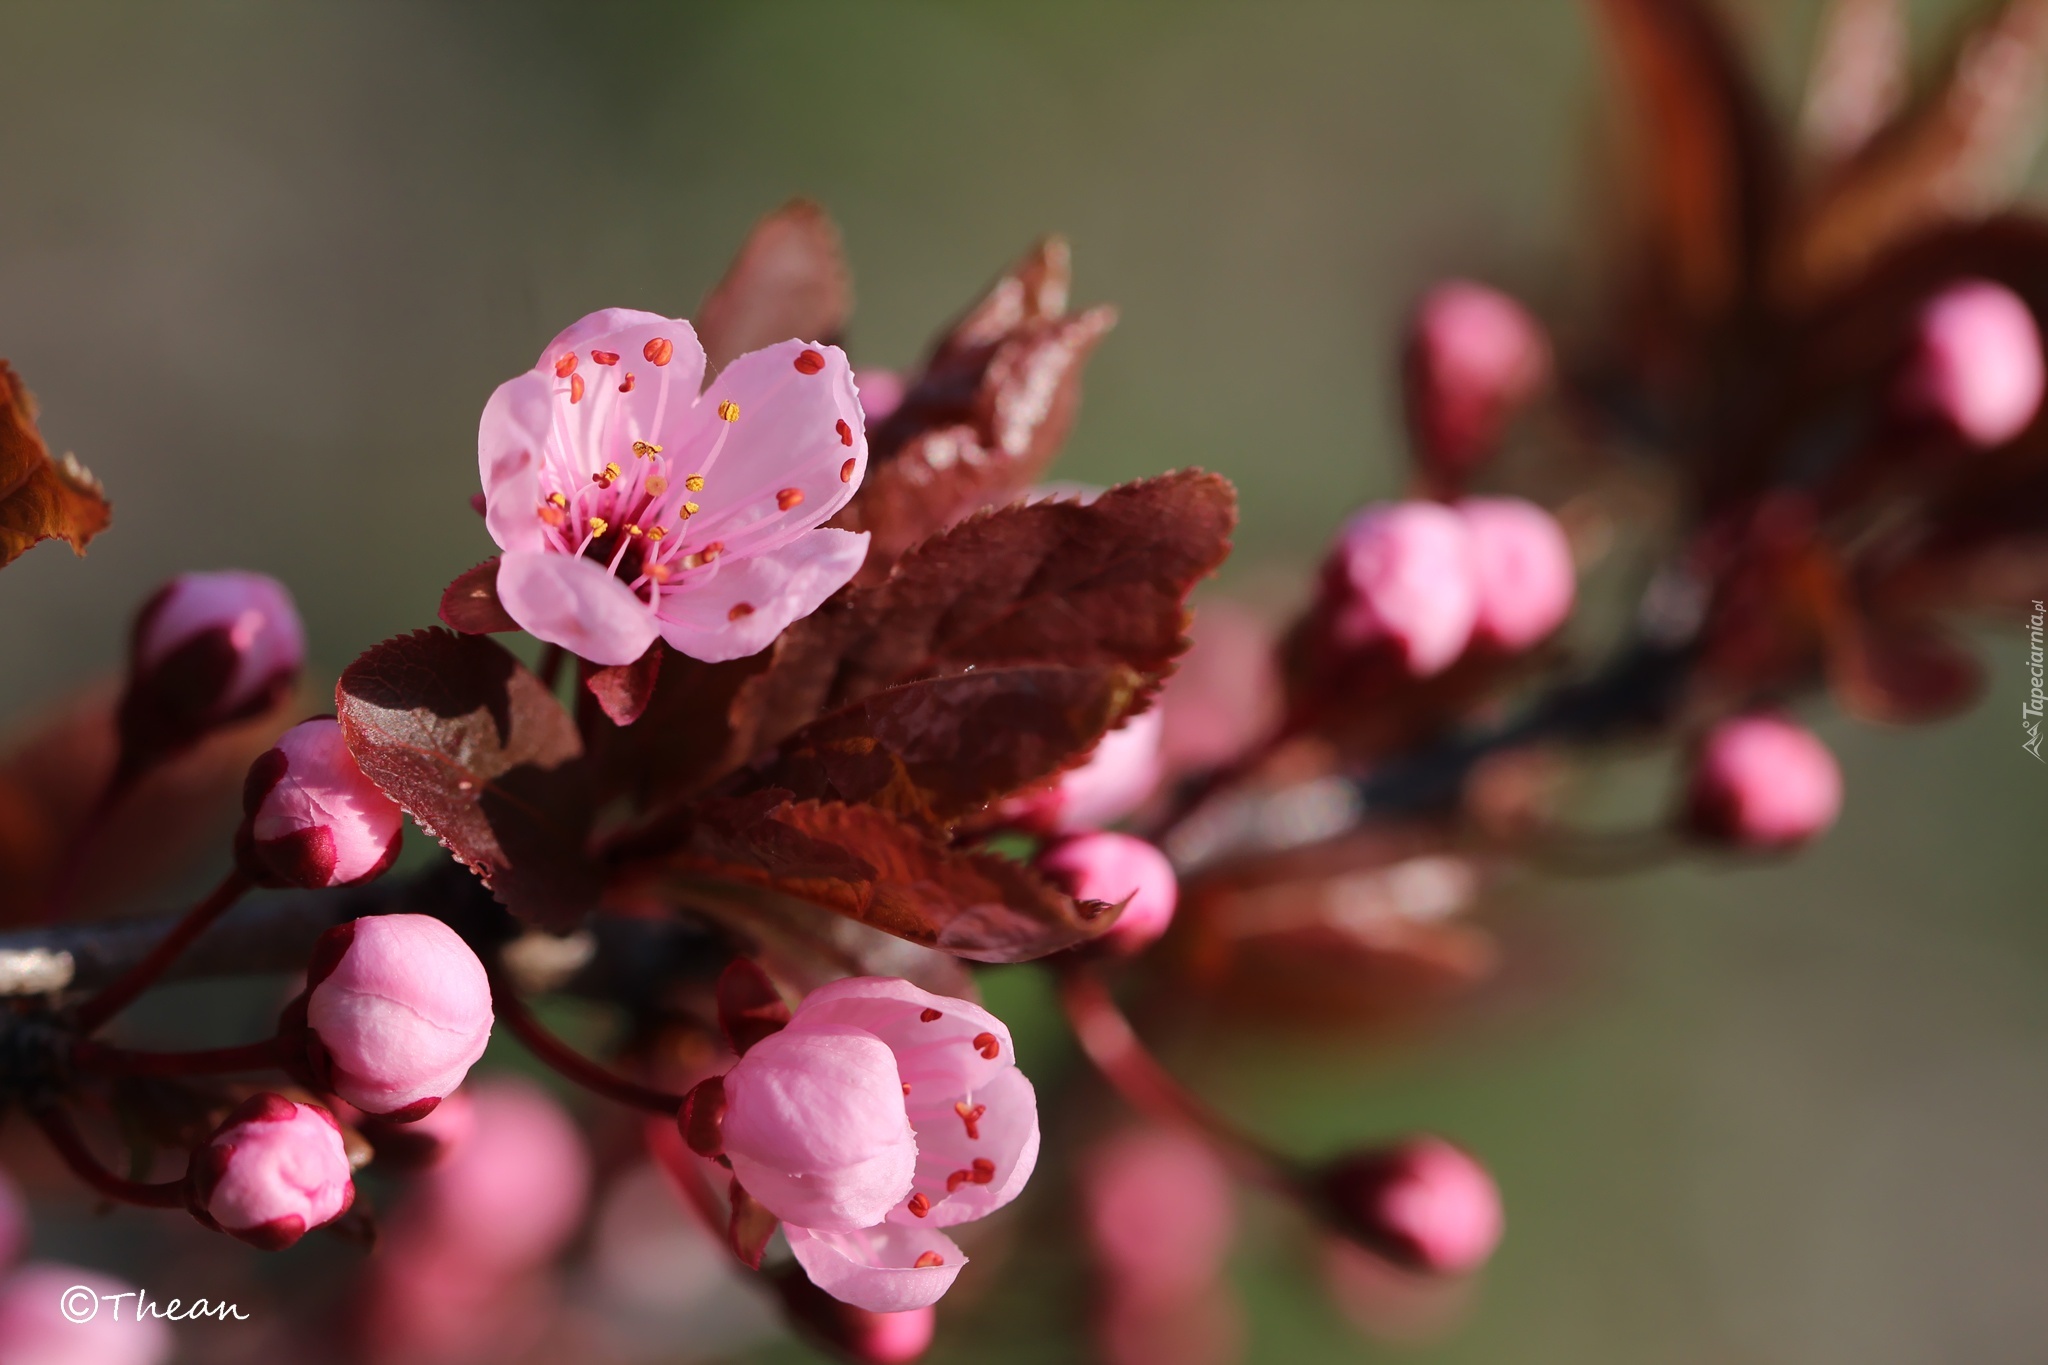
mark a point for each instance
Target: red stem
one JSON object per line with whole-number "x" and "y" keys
{"x": 572, "y": 1065}
{"x": 121, "y": 993}
{"x": 63, "y": 1135}
{"x": 121, "y": 1061}
{"x": 1106, "y": 1036}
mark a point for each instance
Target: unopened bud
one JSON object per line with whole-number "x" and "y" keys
{"x": 1120, "y": 870}
{"x": 311, "y": 818}
{"x": 1423, "y": 1204}
{"x": 1522, "y": 566}
{"x": 398, "y": 1009}
{"x": 272, "y": 1172}
{"x": 1976, "y": 366}
{"x": 1401, "y": 577}
{"x": 1763, "y": 782}
{"x": 1474, "y": 356}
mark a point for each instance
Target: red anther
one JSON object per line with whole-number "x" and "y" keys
{"x": 984, "y": 1171}
{"x": 919, "y": 1206}
{"x": 566, "y": 366}
{"x": 575, "y": 388}
{"x": 906, "y": 1087}
{"x": 987, "y": 1045}
{"x": 930, "y": 1016}
{"x": 930, "y": 1258}
{"x": 627, "y": 386}
{"x": 788, "y": 497}
{"x": 659, "y": 350}
{"x": 712, "y": 551}
{"x": 740, "y": 610}
{"x": 971, "y": 1117}
{"x": 846, "y": 471}
{"x": 809, "y": 362}
{"x": 957, "y": 1179}
{"x": 605, "y": 357}
{"x": 845, "y": 432}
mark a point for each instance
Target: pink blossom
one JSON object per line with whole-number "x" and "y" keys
{"x": 1116, "y": 779}
{"x": 1522, "y": 565}
{"x": 1473, "y": 357}
{"x": 1763, "y": 782}
{"x": 312, "y": 818}
{"x": 879, "y": 1115}
{"x": 1402, "y": 576}
{"x": 1423, "y": 1204}
{"x": 34, "y": 1329}
{"x": 629, "y": 506}
{"x": 1977, "y": 364}
{"x": 1160, "y": 1213}
{"x": 272, "y": 1172}
{"x": 398, "y": 1009}
{"x": 1120, "y": 870}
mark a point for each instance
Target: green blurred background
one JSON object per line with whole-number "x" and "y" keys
{"x": 263, "y": 263}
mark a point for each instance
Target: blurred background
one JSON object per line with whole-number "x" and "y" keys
{"x": 263, "y": 264}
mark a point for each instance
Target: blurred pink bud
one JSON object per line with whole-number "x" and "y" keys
{"x": 1474, "y": 356}
{"x": 511, "y": 1195}
{"x": 272, "y": 1172}
{"x": 311, "y": 818}
{"x": 855, "y": 1334}
{"x": 1225, "y": 696}
{"x": 14, "y": 1222}
{"x": 1763, "y": 782}
{"x": 54, "y": 1314}
{"x": 1976, "y": 364}
{"x": 1423, "y": 1204}
{"x": 880, "y": 1114}
{"x": 398, "y": 1009}
{"x": 1402, "y": 575}
{"x": 1160, "y": 1213}
{"x": 881, "y": 393}
{"x": 1118, "y": 777}
{"x": 1118, "y": 869}
{"x": 1523, "y": 567}
{"x": 208, "y": 649}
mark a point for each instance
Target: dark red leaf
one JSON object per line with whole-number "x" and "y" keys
{"x": 875, "y": 869}
{"x": 751, "y": 1227}
{"x": 992, "y": 407}
{"x": 470, "y": 604}
{"x": 473, "y": 747}
{"x": 41, "y": 498}
{"x": 625, "y": 691}
{"x": 1052, "y": 583}
{"x": 1903, "y": 674}
{"x": 749, "y": 1006}
{"x": 806, "y": 946}
{"x": 789, "y": 280}
{"x": 682, "y": 740}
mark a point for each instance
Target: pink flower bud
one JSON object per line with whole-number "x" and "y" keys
{"x": 63, "y": 1315}
{"x": 272, "y": 1172}
{"x": 1473, "y": 357}
{"x": 1120, "y": 870}
{"x": 511, "y": 1195}
{"x": 1118, "y": 777}
{"x": 311, "y": 818}
{"x": 881, "y": 393}
{"x": 1226, "y": 695}
{"x": 208, "y": 649}
{"x": 880, "y": 1114}
{"x": 855, "y": 1334}
{"x": 1160, "y": 1213}
{"x": 1402, "y": 576}
{"x": 1976, "y": 365}
{"x": 1423, "y": 1204}
{"x": 1763, "y": 782}
{"x": 398, "y": 1009}
{"x": 1523, "y": 567}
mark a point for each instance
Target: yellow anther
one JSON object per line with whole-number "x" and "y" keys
{"x": 656, "y": 486}
{"x": 695, "y": 483}
{"x": 689, "y": 509}
{"x": 657, "y": 533}
{"x": 606, "y": 477}
{"x": 633, "y": 530}
{"x": 558, "y": 500}
{"x": 597, "y": 526}
{"x": 729, "y": 410}
{"x": 645, "y": 448}
{"x": 658, "y": 572}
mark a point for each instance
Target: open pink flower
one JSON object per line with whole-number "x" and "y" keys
{"x": 312, "y": 818}
{"x": 398, "y": 1009}
{"x": 1401, "y": 575}
{"x": 880, "y": 1114}
{"x": 1522, "y": 566}
{"x": 1977, "y": 366}
{"x": 1763, "y": 782}
{"x": 272, "y": 1172}
{"x": 630, "y": 506}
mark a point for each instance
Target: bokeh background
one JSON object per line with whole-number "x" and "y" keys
{"x": 263, "y": 263}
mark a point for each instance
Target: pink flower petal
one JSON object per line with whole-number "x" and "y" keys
{"x": 571, "y": 601}
{"x": 511, "y": 450}
{"x": 876, "y": 1268}
{"x": 625, "y": 332}
{"x": 1006, "y": 1138}
{"x": 938, "y": 1054}
{"x": 751, "y": 601}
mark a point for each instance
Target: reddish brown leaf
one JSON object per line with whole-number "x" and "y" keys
{"x": 41, "y": 498}
{"x": 470, "y": 604}
{"x": 789, "y": 280}
{"x": 875, "y": 869}
{"x": 624, "y": 691}
{"x": 473, "y": 747}
{"x": 682, "y": 740}
{"x": 749, "y": 1007}
{"x": 751, "y": 1227}
{"x": 993, "y": 406}
{"x": 931, "y": 752}
{"x": 1054, "y": 582}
